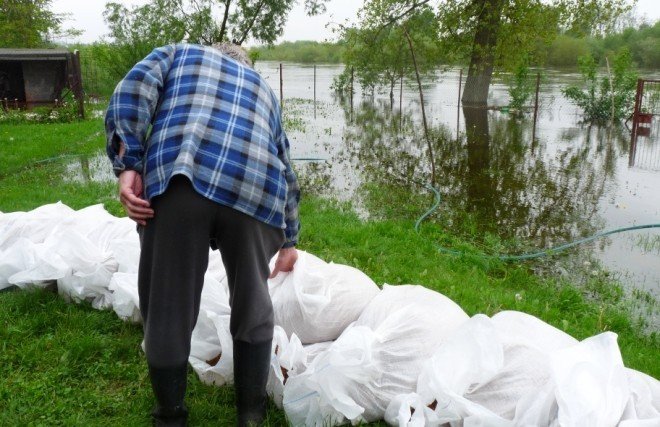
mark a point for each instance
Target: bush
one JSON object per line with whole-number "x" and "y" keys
{"x": 595, "y": 97}
{"x": 520, "y": 87}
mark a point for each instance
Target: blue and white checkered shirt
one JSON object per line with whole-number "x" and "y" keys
{"x": 213, "y": 120}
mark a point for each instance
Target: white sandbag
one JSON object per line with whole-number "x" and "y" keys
{"x": 216, "y": 268}
{"x": 408, "y": 410}
{"x": 591, "y": 383}
{"x": 517, "y": 390}
{"x": 97, "y": 224}
{"x": 211, "y": 350}
{"x": 644, "y": 401}
{"x": 215, "y": 296}
{"x": 91, "y": 268}
{"x": 312, "y": 351}
{"x": 379, "y": 357}
{"x": 525, "y": 370}
{"x": 125, "y": 298}
{"x": 34, "y": 225}
{"x": 526, "y": 343}
{"x": 288, "y": 359}
{"x": 126, "y": 252}
{"x": 322, "y": 395}
{"x": 518, "y": 328}
{"x": 472, "y": 354}
{"x": 26, "y": 263}
{"x": 317, "y": 300}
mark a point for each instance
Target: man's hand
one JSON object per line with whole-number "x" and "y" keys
{"x": 286, "y": 258}
{"x": 130, "y": 190}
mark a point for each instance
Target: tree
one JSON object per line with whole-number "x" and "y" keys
{"x": 137, "y": 30}
{"x": 30, "y": 23}
{"x": 497, "y": 33}
{"x": 381, "y": 55}
{"x": 202, "y": 21}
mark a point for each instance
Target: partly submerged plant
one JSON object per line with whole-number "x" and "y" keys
{"x": 610, "y": 97}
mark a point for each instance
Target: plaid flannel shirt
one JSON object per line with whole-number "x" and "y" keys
{"x": 213, "y": 120}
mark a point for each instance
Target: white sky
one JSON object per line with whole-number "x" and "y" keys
{"x": 88, "y": 16}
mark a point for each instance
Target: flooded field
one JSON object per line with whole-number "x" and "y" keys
{"x": 543, "y": 182}
{"x": 502, "y": 178}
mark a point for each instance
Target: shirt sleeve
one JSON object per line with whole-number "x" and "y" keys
{"x": 132, "y": 107}
{"x": 293, "y": 195}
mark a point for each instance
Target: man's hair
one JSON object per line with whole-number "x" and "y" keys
{"x": 234, "y": 51}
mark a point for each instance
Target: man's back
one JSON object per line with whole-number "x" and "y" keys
{"x": 215, "y": 121}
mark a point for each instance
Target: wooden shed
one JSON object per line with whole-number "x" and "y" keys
{"x": 37, "y": 77}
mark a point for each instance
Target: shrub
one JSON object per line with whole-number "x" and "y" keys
{"x": 597, "y": 96}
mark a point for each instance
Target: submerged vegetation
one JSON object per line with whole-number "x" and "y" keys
{"x": 610, "y": 97}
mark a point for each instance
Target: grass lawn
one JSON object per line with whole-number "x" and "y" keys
{"x": 64, "y": 364}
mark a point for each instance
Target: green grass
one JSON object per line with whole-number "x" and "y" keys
{"x": 65, "y": 364}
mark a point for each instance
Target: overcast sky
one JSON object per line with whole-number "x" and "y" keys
{"x": 88, "y": 17}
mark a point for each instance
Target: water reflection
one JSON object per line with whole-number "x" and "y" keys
{"x": 494, "y": 176}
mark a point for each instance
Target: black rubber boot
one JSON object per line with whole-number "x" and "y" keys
{"x": 251, "y": 366}
{"x": 169, "y": 385}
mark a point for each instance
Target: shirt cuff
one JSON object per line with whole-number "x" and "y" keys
{"x": 118, "y": 166}
{"x": 289, "y": 244}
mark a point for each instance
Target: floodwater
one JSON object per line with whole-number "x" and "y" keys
{"x": 544, "y": 182}
{"x": 541, "y": 182}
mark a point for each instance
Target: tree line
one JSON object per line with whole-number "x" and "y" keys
{"x": 643, "y": 42}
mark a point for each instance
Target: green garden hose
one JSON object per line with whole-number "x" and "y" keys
{"x": 547, "y": 252}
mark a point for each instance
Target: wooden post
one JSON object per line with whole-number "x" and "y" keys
{"x": 609, "y": 77}
{"x": 458, "y": 103}
{"x": 352, "y": 80}
{"x": 78, "y": 89}
{"x": 536, "y": 104}
{"x": 315, "y": 91}
{"x": 460, "y": 82}
{"x": 401, "y": 102}
{"x": 281, "y": 87}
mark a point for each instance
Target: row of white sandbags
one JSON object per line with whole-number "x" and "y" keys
{"x": 81, "y": 250}
{"x": 408, "y": 348}
{"x": 93, "y": 256}
{"x": 511, "y": 370}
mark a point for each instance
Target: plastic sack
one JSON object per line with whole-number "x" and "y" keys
{"x": 34, "y": 225}
{"x": 126, "y": 252}
{"x": 125, "y": 298}
{"x": 317, "y": 301}
{"x": 526, "y": 343}
{"x": 379, "y": 357}
{"x": 409, "y": 410}
{"x": 288, "y": 359}
{"x": 472, "y": 354}
{"x": 591, "y": 383}
{"x": 91, "y": 268}
{"x": 644, "y": 401}
{"x": 211, "y": 349}
{"x": 26, "y": 263}
{"x": 216, "y": 269}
